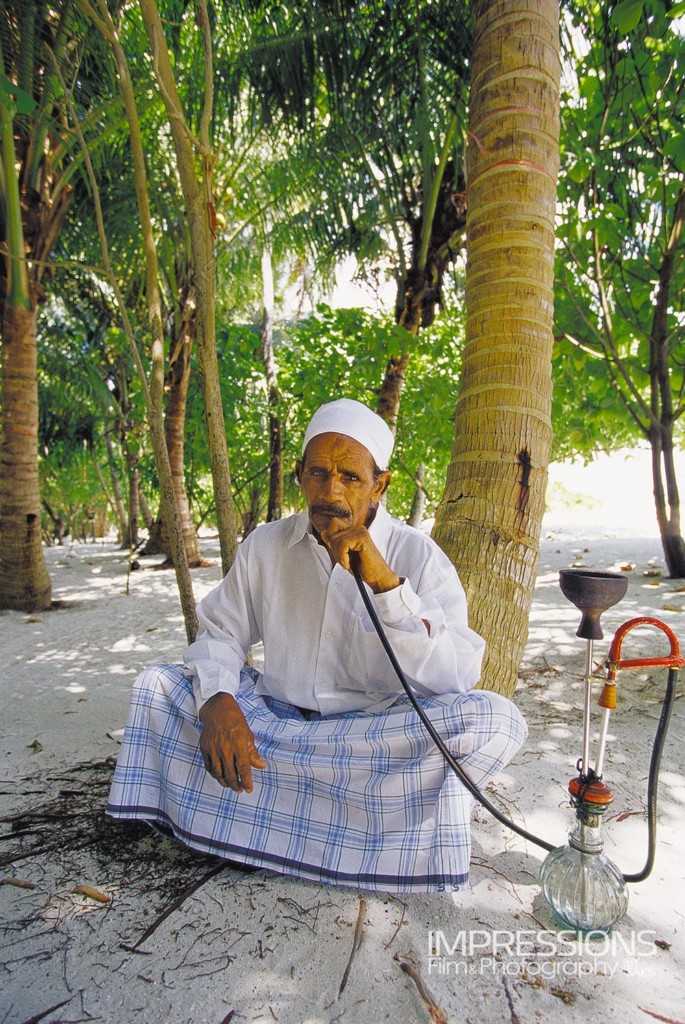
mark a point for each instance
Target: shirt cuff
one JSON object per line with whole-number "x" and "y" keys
{"x": 210, "y": 679}
{"x": 398, "y": 605}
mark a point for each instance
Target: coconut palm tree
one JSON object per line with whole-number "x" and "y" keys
{"x": 38, "y": 162}
{"x": 490, "y": 516}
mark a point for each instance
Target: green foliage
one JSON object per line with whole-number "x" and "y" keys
{"x": 620, "y": 273}
{"x": 332, "y": 354}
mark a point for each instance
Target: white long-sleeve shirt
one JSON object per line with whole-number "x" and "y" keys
{"x": 321, "y": 651}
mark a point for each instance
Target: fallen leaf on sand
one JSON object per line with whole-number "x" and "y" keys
{"x": 35, "y": 746}
{"x": 566, "y": 997}
{"x": 671, "y": 607}
{"x": 91, "y": 893}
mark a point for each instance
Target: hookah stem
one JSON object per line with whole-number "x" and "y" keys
{"x": 601, "y": 747}
{"x": 586, "y": 710}
{"x": 434, "y": 734}
{"x": 657, "y": 749}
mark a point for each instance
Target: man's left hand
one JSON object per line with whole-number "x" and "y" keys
{"x": 374, "y": 569}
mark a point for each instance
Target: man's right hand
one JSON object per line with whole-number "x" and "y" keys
{"x": 227, "y": 744}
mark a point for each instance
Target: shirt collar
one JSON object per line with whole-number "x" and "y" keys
{"x": 379, "y": 531}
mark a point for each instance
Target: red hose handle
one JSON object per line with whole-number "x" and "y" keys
{"x": 673, "y": 660}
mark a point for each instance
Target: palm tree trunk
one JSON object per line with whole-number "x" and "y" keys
{"x": 490, "y": 516}
{"x": 24, "y": 580}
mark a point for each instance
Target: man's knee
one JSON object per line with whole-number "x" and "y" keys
{"x": 488, "y": 718}
{"x": 156, "y": 681}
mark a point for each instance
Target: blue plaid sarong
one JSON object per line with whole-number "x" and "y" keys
{"x": 353, "y": 799}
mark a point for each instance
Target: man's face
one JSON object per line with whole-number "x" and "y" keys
{"x": 337, "y": 476}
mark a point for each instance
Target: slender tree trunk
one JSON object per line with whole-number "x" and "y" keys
{"x": 275, "y": 504}
{"x": 490, "y": 516}
{"x": 132, "y": 539}
{"x": 178, "y": 380}
{"x": 390, "y": 394}
{"x": 667, "y": 502}
{"x": 200, "y": 211}
{"x": 437, "y": 237}
{"x": 24, "y": 580}
{"x": 154, "y": 389}
{"x": 59, "y": 529}
{"x": 146, "y": 511}
{"x": 119, "y": 507}
{"x": 418, "y": 504}
{"x": 666, "y": 498}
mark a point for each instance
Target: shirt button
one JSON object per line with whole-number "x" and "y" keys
{"x": 328, "y": 634}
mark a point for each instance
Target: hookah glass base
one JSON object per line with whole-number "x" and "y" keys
{"x": 585, "y": 890}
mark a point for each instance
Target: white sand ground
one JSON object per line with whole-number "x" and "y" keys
{"x": 262, "y": 948}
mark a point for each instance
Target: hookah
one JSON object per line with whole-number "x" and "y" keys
{"x": 584, "y": 889}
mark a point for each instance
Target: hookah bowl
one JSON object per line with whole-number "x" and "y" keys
{"x": 592, "y": 592}
{"x": 585, "y": 890}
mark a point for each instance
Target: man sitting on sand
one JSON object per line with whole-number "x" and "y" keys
{"x": 319, "y": 766}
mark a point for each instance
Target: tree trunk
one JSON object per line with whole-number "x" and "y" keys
{"x": 667, "y": 503}
{"x": 491, "y": 512}
{"x": 119, "y": 507}
{"x": 418, "y": 504}
{"x": 154, "y": 390}
{"x": 390, "y": 394}
{"x": 178, "y": 380}
{"x": 133, "y": 536}
{"x": 436, "y": 238}
{"x": 275, "y": 504}
{"x": 661, "y": 405}
{"x": 146, "y": 511}
{"x": 24, "y": 580}
{"x": 197, "y": 194}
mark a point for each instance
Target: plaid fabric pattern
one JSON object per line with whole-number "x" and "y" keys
{"x": 354, "y": 799}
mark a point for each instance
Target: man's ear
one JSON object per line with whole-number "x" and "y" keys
{"x": 298, "y": 471}
{"x": 381, "y": 484}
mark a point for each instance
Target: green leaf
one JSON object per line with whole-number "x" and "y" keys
{"x": 578, "y": 172}
{"x": 25, "y": 104}
{"x": 626, "y": 15}
{"x": 675, "y": 148}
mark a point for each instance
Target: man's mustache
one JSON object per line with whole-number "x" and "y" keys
{"x": 330, "y": 510}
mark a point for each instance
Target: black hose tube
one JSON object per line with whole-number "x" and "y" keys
{"x": 657, "y": 749}
{"x": 435, "y": 735}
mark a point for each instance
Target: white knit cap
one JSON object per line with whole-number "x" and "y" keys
{"x": 345, "y": 416}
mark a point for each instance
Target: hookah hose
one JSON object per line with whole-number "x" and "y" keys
{"x": 674, "y": 661}
{"x": 659, "y": 739}
{"x": 435, "y": 735}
